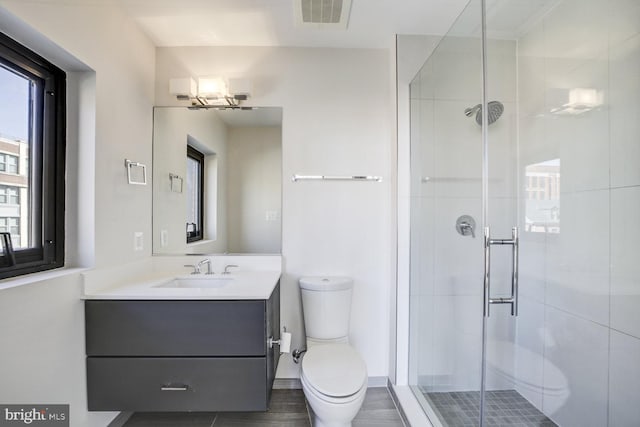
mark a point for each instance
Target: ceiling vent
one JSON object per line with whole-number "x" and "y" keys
{"x": 322, "y": 14}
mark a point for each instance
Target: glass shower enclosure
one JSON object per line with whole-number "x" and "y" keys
{"x": 519, "y": 315}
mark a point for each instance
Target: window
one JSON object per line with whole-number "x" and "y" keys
{"x": 195, "y": 191}
{"x": 12, "y": 164}
{"x": 11, "y": 225}
{"x": 9, "y": 195}
{"x": 32, "y": 161}
{"x": 8, "y": 163}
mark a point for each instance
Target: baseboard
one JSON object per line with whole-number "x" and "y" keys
{"x": 122, "y": 418}
{"x": 377, "y": 382}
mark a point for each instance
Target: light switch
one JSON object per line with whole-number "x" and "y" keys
{"x": 271, "y": 215}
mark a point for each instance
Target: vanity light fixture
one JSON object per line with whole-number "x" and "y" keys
{"x": 212, "y": 87}
{"x": 184, "y": 88}
{"x": 210, "y": 92}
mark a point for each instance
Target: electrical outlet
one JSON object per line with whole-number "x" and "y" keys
{"x": 138, "y": 241}
{"x": 271, "y": 215}
{"x": 164, "y": 238}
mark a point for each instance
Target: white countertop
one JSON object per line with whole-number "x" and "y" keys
{"x": 240, "y": 285}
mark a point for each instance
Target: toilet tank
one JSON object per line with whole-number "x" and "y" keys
{"x": 326, "y": 305}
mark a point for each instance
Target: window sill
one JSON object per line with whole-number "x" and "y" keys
{"x": 199, "y": 247}
{"x": 200, "y": 242}
{"x": 29, "y": 279}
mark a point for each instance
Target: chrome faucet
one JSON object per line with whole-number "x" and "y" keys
{"x": 227, "y": 267}
{"x": 206, "y": 261}
{"x": 196, "y": 268}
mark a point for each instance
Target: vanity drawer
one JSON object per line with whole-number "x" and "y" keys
{"x": 175, "y": 328}
{"x": 212, "y": 384}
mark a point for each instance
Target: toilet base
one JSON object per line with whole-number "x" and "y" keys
{"x": 328, "y": 414}
{"x": 317, "y": 422}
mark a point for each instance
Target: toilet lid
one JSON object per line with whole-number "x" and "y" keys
{"x": 335, "y": 370}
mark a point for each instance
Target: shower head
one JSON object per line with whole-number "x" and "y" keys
{"x": 495, "y": 111}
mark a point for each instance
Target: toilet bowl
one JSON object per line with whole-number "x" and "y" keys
{"x": 333, "y": 375}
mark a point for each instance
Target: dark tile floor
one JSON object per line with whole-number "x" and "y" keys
{"x": 504, "y": 408}
{"x": 288, "y": 408}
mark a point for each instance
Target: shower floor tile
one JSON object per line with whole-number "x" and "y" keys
{"x": 504, "y": 408}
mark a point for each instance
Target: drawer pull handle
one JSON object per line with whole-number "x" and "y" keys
{"x": 171, "y": 387}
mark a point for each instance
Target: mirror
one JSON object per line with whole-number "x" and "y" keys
{"x": 236, "y": 178}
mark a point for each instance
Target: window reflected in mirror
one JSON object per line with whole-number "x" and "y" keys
{"x": 542, "y": 189}
{"x": 195, "y": 186}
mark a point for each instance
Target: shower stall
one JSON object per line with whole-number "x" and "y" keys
{"x": 524, "y": 272}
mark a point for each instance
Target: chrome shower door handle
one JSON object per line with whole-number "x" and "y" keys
{"x": 515, "y": 248}
{"x": 487, "y": 273}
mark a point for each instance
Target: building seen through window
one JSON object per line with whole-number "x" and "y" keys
{"x": 14, "y": 179}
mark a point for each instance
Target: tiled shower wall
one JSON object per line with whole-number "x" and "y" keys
{"x": 578, "y": 333}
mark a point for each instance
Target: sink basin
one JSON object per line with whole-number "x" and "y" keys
{"x": 202, "y": 282}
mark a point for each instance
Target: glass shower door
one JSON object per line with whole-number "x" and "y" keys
{"x": 501, "y": 404}
{"x": 446, "y": 323}
{"x": 562, "y": 70}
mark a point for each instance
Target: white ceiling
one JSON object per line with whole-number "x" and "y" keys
{"x": 372, "y": 23}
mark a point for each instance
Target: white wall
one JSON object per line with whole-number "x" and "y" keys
{"x": 336, "y": 120}
{"x": 44, "y": 361}
{"x": 208, "y": 134}
{"x": 101, "y": 36}
{"x": 254, "y": 189}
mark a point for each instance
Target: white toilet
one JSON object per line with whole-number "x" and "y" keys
{"x": 334, "y": 376}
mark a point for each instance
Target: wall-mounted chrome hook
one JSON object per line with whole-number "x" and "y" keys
{"x": 466, "y": 225}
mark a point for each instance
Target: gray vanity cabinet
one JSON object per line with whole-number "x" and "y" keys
{"x": 186, "y": 355}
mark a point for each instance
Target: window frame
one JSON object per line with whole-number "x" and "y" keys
{"x": 193, "y": 153}
{"x": 47, "y": 149}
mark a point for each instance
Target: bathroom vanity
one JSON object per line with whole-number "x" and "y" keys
{"x": 182, "y": 348}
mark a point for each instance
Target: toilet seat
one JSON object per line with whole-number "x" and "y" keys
{"x": 332, "y": 401}
{"x": 334, "y": 371}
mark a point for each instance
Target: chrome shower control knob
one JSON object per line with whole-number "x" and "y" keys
{"x": 466, "y": 226}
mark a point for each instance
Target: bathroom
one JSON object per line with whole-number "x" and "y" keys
{"x": 578, "y": 303}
